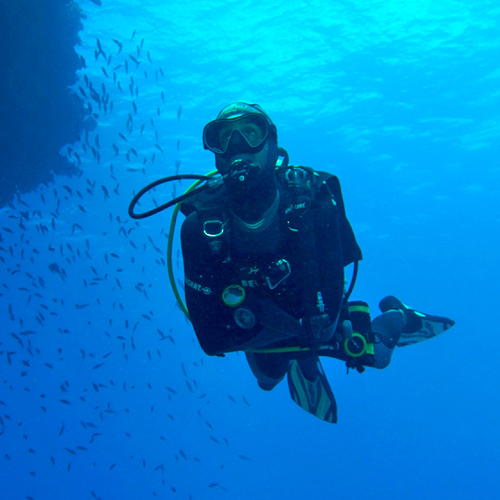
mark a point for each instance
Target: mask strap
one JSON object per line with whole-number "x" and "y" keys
{"x": 282, "y": 153}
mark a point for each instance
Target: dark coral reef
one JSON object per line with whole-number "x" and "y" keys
{"x": 38, "y": 111}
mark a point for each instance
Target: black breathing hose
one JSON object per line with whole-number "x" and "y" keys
{"x": 172, "y": 202}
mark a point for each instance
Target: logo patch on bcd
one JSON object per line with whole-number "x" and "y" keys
{"x": 199, "y": 288}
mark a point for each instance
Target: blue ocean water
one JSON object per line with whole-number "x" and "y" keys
{"x": 104, "y": 390}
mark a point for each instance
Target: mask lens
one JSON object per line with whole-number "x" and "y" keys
{"x": 217, "y": 134}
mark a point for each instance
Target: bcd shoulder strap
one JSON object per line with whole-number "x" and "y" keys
{"x": 312, "y": 218}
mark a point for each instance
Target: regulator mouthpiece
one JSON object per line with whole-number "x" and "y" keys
{"x": 243, "y": 170}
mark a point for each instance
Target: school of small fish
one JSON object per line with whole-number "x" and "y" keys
{"x": 86, "y": 345}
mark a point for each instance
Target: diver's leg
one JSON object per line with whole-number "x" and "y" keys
{"x": 269, "y": 369}
{"x": 387, "y": 330}
{"x": 401, "y": 325}
{"x": 418, "y": 326}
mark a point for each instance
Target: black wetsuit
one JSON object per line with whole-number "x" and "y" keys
{"x": 221, "y": 253}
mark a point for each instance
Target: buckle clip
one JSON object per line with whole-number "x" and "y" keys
{"x": 276, "y": 272}
{"x": 213, "y": 228}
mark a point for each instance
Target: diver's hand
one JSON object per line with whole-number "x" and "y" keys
{"x": 319, "y": 329}
{"x": 347, "y": 329}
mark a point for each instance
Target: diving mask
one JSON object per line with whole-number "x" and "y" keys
{"x": 252, "y": 128}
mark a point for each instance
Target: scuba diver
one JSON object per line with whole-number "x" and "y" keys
{"x": 264, "y": 252}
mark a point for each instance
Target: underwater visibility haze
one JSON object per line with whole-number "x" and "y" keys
{"x": 104, "y": 390}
